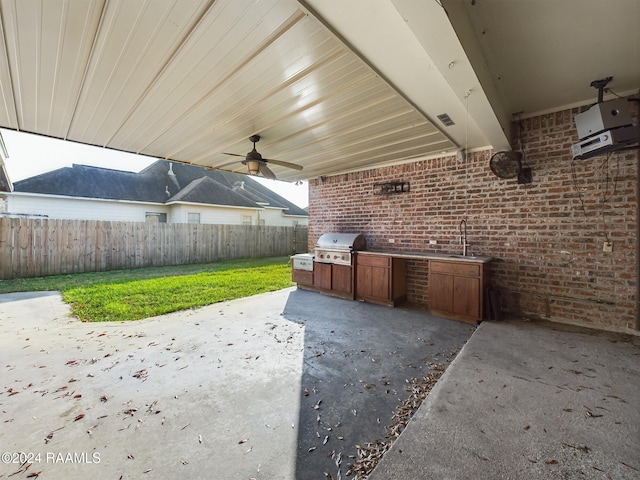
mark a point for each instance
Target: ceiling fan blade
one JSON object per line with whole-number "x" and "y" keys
{"x": 234, "y": 154}
{"x": 266, "y": 172}
{"x": 225, "y": 164}
{"x": 283, "y": 163}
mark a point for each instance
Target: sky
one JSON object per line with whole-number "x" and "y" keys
{"x": 31, "y": 155}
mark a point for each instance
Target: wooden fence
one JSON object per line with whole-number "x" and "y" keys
{"x": 40, "y": 247}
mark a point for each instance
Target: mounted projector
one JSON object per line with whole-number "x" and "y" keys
{"x": 605, "y": 127}
{"x": 603, "y": 116}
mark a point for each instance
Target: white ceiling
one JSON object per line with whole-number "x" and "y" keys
{"x": 332, "y": 85}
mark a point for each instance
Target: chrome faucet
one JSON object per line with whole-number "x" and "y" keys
{"x": 463, "y": 237}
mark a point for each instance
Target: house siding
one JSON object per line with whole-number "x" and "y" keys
{"x": 74, "y": 208}
{"x": 219, "y": 215}
{"x": 276, "y": 217}
{"x": 547, "y": 237}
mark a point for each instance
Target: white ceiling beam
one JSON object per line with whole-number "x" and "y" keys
{"x": 447, "y": 37}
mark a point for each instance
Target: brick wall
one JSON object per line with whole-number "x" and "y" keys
{"x": 547, "y": 237}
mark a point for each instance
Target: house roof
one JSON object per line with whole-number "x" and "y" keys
{"x": 207, "y": 190}
{"x": 161, "y": 182}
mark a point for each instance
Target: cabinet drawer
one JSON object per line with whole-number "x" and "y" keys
{"x": 455, "y": 268}
{"x": 374, "y": 260}
{"x": 302, "y": 276}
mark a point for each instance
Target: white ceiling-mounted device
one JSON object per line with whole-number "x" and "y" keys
{"x": 603, "y": 116}
{"x": 605, "y": 127}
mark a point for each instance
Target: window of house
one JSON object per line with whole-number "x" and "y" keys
{"x": 193, "y": 217}
{"x": 155, "y": 217}
{"x": 246, "y": 219}
{"x": 261, "y": 221}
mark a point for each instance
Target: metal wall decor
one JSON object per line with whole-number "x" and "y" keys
{"x": 389, "y": 188}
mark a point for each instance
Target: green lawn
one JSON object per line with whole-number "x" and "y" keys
{"x": 147, "y": 292}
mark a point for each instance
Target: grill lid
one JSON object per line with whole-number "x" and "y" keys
{"x": 342, "y": 241}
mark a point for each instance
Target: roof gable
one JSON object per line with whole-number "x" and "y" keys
{"x": 207, "y": 190}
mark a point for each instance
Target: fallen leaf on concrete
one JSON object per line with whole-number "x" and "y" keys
{"x": 141, "y": 374}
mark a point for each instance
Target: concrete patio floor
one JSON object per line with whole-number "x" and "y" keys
{"x": 262, "y": 387}
{"x": 528, "y": 400}
{"x": 267, "y": 387}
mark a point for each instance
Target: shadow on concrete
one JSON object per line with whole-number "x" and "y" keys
{"x": 19, "y": 296}
{"x": 358, "y": 358}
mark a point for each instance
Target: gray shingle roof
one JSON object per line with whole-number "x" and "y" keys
{"x": 154, "y": 184}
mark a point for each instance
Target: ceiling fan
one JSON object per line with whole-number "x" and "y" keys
{"x": 258, "y": 165}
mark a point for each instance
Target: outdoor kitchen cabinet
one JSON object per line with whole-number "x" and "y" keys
{"x": 334, "y": 278}
{"x": 302, "y": 269}
{"x": 302, "y": 277}
{"x": 322, "y": 275}
{"x": 381, "y": 279}
{"x": 455, "y": 289}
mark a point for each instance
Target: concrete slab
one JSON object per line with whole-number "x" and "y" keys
{"x": 227, "y": 391}
{"x": 528, "y": 400}
{"x": 358, "y": 359}
{"x": 207, "y": 393}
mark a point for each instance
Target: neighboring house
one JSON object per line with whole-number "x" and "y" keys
{"x": 162, "y": 192}
{"x": 5, "y": 183}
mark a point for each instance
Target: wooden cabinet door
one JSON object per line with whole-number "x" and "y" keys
{"x": 363, "y": 280}
{"x": 441, "y": 292}
{"x": 466, "y": 296}
{"x": 341, "y": 278}
{"x": 373, "y": 280}
{"x": 322, "y": 275}
{"x": 380, "y": 284}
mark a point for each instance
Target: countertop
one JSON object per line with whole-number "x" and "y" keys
{"x": 427, "y": 256}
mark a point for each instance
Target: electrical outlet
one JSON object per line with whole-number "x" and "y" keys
{"x": 433, "y": 242}
{"x": 607, "y": 247}
{"x": 392, "y": 240}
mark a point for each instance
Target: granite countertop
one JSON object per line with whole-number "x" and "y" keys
{"x": 427, "y": 256}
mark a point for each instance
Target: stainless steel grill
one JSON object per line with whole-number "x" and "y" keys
{"x": 338, "y": 247}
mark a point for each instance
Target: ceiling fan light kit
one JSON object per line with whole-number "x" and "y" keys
{"x": 256, "y": 165}
{"x": 253, "y": 166}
